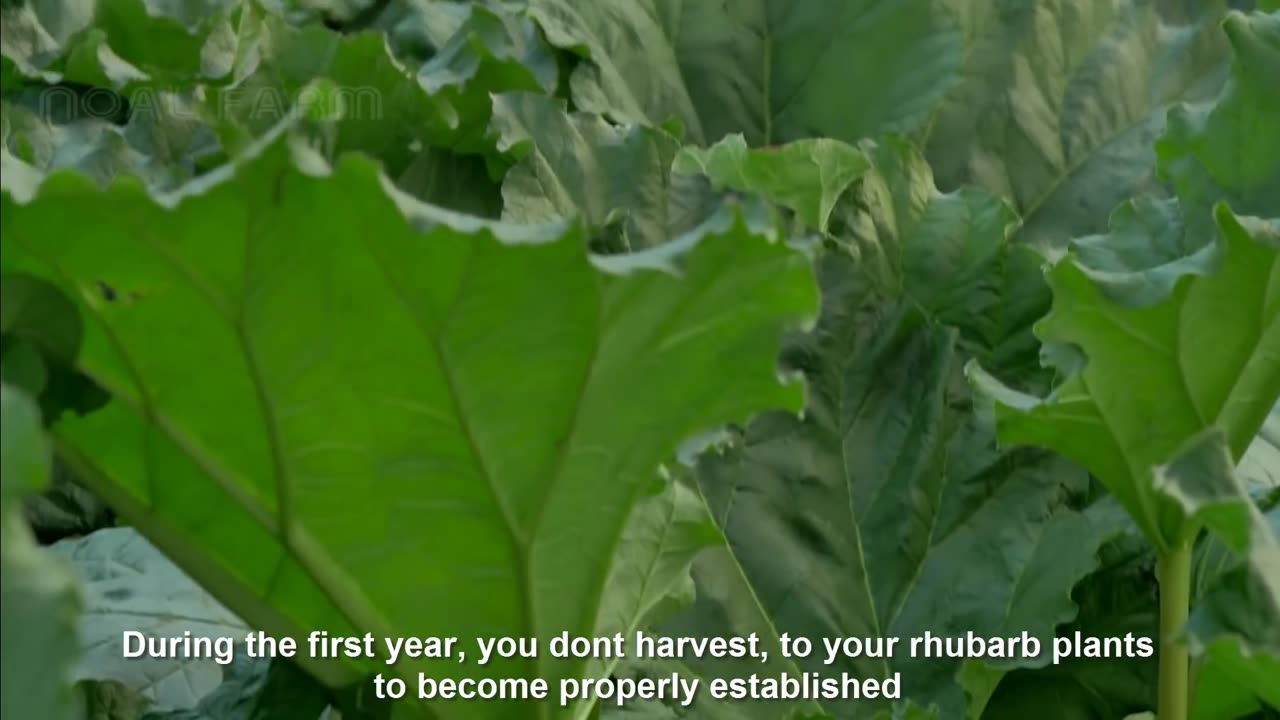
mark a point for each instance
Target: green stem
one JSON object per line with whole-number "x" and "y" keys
{"x": 1173, "y": 571}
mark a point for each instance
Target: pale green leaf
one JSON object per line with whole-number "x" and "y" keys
{"x": 391, "y": 110}
{"x": 160, "y": 141}
{"x": 130, "y": 586}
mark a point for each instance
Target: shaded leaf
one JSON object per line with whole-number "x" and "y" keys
{"x": 1116, "y": 600}
{"x": 109, "y": 700}
{"x": 946, "y": 253}
{"x": 66, "y": 509}
{"x": 887, "y": 510}
{"x": 491, "y": 51}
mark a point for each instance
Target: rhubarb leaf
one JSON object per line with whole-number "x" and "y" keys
{"x": 393, "y": 383}
{"x": 1175, "y": 360}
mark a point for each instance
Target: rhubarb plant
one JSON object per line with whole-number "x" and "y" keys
{"x": 511, "y": 319}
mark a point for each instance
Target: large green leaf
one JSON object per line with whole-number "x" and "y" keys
{"x": 772, "y": 70}
{"x": 1062, "y": 99}
{"x": 392, "y": 384}
{"x": 1159, "y": 374}
{"x": 725, "y": 605}
{"x": 40, "y": 599}
{"x": 945, "y": 252}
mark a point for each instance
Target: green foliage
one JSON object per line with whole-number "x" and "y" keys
{"x": 421, "y": 317}
{"x": 1063, "y": 101}
{"x": 853, "y": 497}
{"x": 40, "y": 598}
{"x": 277, "y": 303}
{"x": 1175, "y": 360}
{"x": 1223, "y": 150}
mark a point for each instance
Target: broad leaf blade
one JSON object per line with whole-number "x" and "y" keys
{"x": 393, "y": 383}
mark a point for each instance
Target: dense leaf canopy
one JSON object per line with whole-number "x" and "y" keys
{"x": 510, "y": 319}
